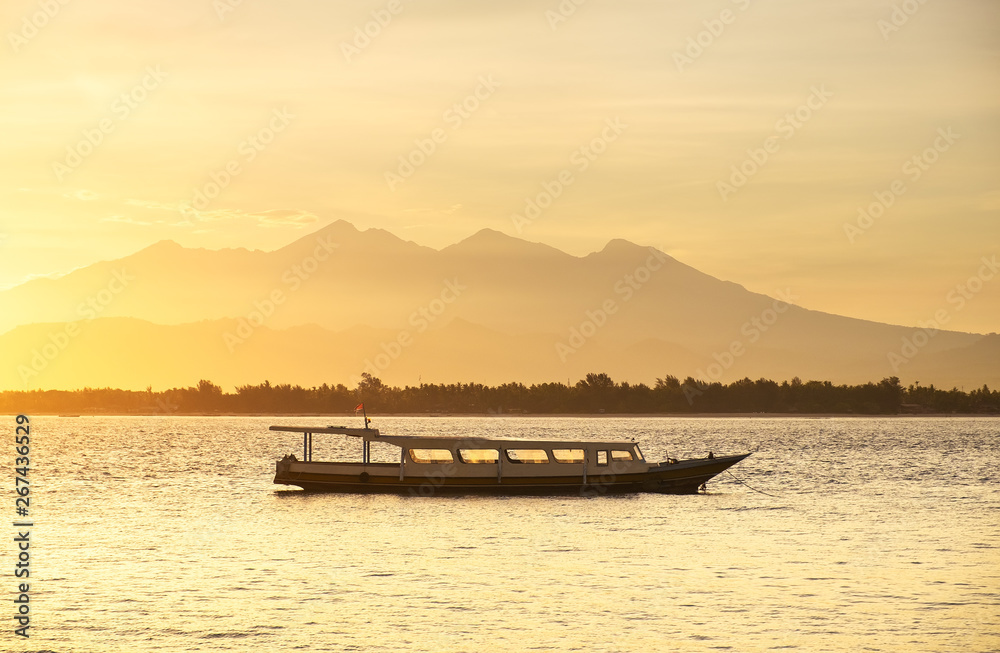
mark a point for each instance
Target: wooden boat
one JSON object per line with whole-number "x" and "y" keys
{"x": 430, "y": 465}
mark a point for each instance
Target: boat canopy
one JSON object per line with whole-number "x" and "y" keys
{"x": 340, "y": 430}
{"x": 446, "y": 442}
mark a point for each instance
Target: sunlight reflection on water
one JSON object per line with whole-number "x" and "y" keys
{"x": 166, "y": 534}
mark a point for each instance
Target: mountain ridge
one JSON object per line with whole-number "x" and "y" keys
{"x": 572, "y": 312}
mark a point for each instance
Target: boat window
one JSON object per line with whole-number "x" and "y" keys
{"x": 479, "y": 456}
{"x": 568, "y": 455}
{"x": 431, "y": 456}
{"x": 602, "y": 457}
{"x": 638, "y": 453}
{"x": 620, "y": 454}
{"x": 527, "y": 456}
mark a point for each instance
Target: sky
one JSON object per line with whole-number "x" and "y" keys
{"x": 844, "y": 152}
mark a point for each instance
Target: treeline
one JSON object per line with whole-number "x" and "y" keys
{"x": 597, "y": 393}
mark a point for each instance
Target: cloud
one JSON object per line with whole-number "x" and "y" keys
{"x": 448, "y": 211}
{"x": 126, "y": 220}
{"x": 149, "y": 204}
{"x": 284, "y": 217}
{"x": 268, "y": 218}
{"x": 83, "y": 195}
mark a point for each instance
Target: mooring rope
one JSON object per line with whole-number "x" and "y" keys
{"x": 750, "y": 486}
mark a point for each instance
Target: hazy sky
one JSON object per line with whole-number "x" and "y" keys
{"x": 115, "y": 114}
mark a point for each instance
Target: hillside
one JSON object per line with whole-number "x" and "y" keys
{"x": 491, "y": 308}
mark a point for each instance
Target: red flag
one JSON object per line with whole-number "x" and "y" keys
{"x": 359, "y": 407}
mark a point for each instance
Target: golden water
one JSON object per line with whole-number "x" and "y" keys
{"x": 166, "y": 534}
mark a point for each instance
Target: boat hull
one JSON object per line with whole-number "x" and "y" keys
{"x": 685, "y": 477}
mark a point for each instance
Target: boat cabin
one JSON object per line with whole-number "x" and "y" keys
{"x": 486, "y": 457}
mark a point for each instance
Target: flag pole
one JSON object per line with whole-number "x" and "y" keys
{"x": 364, "y": 412}
{"x": 365, "y": 445}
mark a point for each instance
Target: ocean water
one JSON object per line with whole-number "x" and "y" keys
{"x": 166, "y": 534}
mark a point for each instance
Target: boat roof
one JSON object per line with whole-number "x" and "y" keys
{"x": 342, "y": 430}
{"x": 444, "y": 441}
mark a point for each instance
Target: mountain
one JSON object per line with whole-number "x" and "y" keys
{"x": 491, "y": 308}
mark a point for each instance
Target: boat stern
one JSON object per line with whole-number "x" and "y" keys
{"x": 282, "y": 469}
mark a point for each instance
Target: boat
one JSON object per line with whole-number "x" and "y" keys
{"x": 431, "y": 465}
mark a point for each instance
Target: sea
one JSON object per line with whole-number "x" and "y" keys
{"x": 167, "y": 534}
